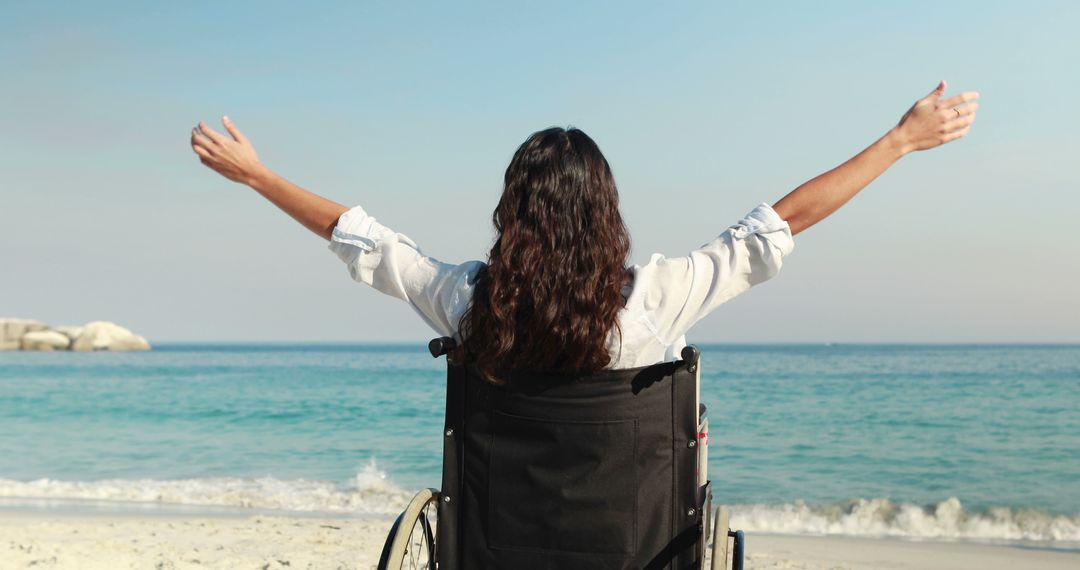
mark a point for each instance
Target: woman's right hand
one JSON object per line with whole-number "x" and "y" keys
{"x": 233, "y": 158}
{"x": 933, "y": 121}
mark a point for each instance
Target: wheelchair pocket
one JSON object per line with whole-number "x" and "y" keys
{"x": 563, "y": 486}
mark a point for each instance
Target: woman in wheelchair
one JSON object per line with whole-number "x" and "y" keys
{"x": 572, "y": 413}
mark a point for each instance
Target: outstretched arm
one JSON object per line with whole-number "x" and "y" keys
{"x": 375, "y": 255}
{"x": 930, "y": 122}
{"x": 235, "y": 159}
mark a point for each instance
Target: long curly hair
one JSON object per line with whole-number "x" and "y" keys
{"x": 551, "y": 291}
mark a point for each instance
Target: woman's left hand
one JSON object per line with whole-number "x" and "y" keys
{"x": 933, "y": 121}
{"x": 234, "y": 158}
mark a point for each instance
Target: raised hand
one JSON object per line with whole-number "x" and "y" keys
{"x": 933, "y": 121}
{"x": 234, "y": 158}
{"x": 930, "y": 122}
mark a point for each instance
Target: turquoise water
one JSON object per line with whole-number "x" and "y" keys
{"x": 938, "y": 440}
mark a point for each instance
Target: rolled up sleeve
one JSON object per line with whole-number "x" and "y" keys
{"x": 392, "y": 263}
{"x": 683, "y": 290}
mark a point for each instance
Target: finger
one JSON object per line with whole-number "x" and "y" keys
{"x": 213, "y": 135}
{"x": 199, "y": 138}
{"x": 963, "y": 110}
{"x": 937, "y": 91}
{"x": 956, "y": 134}
{"x": 961, "y": 98}
{"x": 235, "y": 132}
{"x": 202, "y": 152}
{"x": 959, "y": 122}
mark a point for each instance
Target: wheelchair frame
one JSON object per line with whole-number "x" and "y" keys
{"x": 439, "y": 541}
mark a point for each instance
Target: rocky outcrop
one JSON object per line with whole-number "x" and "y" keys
{"x": 44, "y": 340}
{"x": 71, "y": 331}
{"x": 26, "y": 334}
{"x": 103, "y": 335}
{"x": 12, "y": 330}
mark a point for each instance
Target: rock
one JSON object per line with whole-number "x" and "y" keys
{"x": 44, "y": 340}
{"x": 71, "y": 331}
{"x": 12, "y": 331}
{"x": 103, "y": 335}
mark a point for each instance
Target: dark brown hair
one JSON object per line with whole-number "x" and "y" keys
{"x": 551, "y": 291}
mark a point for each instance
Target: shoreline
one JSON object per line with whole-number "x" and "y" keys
{"x": 71, "y": 510}
{"x": 39, "y": 538}
{"x": 104, "y": 508}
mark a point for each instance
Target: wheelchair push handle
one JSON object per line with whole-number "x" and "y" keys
{"x": 691, "y": 355}
{"x": 440, "y": 346}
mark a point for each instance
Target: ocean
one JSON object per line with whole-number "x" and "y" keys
{"x": 945, "y": 442}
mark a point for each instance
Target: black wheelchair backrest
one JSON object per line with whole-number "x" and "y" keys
{"x": 594, "y": 471}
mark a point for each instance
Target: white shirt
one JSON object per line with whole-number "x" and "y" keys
{"x": 668, "y": 295}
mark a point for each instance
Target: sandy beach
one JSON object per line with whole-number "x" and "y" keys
{"x": 113, "y": 542}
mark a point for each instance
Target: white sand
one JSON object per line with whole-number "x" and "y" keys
{"x": 848, "y": 553}
{"x": 91, "y": 542}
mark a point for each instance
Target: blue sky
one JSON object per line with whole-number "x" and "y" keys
{"x": 704, "y": 110}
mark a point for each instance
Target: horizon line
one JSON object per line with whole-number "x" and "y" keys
{"x": 703, "y": 342}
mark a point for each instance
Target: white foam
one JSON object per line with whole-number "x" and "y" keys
{"x": 883, "y": 518}
{"x": 370, "y": 492}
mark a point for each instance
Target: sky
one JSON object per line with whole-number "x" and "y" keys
{"x": 413, "y": 111}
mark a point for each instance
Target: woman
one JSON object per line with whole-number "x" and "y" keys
{"x": 555, "y": 293}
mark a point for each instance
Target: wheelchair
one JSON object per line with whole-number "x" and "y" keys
{"x": 602, "y": 471}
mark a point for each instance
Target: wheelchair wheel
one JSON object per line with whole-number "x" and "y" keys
{"x": 411, "y": 542}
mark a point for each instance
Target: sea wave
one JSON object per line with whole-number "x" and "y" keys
{"x": 371, "y": 492}
{"x": 947, "y": 520}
